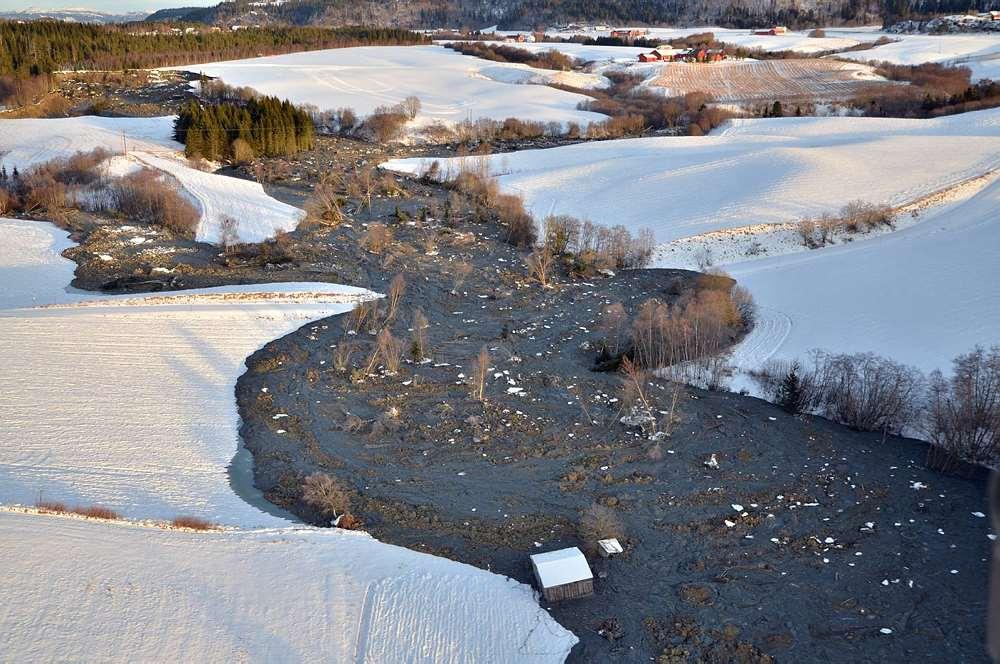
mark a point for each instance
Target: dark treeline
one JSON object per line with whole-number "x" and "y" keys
{"x": 499, "y": 53}
{"x": 264, "y": 126}
{"x": 41, "y": 47}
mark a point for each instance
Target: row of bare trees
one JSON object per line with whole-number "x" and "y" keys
{"x": 959, "y": 414}
{"x": 855, "y": 217}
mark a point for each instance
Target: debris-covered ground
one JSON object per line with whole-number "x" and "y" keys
{"x": 799, "y": 540}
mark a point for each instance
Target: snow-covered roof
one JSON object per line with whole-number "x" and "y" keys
{"x": 556, "y": 568}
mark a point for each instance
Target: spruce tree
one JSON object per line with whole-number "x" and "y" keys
{"x": 791, "y": 393}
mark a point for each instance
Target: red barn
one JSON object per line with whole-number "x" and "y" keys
{"x": 649, "y": 57}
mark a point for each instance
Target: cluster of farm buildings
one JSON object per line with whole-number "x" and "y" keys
{"x": 689, "y": 55}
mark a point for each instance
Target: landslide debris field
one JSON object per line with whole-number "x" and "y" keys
{"x": 807, "y": 541}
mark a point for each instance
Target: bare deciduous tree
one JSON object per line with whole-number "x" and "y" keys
{"x": 480, "y": 370}
{"x": 397, "y": 287}
{"x": 326, "y": 494}
{"x": 963, "y": 411}
{"x": 539, "y": 263}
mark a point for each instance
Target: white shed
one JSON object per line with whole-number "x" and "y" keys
{"x": 563, "y": 574}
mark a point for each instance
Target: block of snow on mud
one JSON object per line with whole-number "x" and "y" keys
{"x": 609, "y": 547}
{"x": 563, "y": 574}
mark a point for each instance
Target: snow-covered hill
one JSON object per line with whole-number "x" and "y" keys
{"x": 920, "y": 296}
{"x": 149, "y": 142}
{"x": 753, "y": 172}
{"x": 451, "y": 87}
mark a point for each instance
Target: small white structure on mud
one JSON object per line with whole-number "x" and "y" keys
{"x": 609, "y": 547}
{"x": 563, "y": 574}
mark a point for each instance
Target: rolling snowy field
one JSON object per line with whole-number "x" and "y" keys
{"x": 920, "y": 296}
{"x": 149, "y": 142}
{"x": 978, "y": 51}
{"x": 752, "y": 172}
{"x": 135, "y": 410}
{"x": 451, "y": 87}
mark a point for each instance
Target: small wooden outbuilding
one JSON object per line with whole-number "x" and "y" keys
{"x": 563, "y": 574}
{"x": 649, "y": 57}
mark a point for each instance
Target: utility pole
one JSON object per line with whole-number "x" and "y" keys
{"x": 124, "y": 144}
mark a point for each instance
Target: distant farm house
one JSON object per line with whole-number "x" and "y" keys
{"x": 776, "y": 30}
{"x": 628, "y": 34}
{"x": 563, "y": 574}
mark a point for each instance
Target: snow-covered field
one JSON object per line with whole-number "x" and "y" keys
{"x": 920, "y": 296}
{"x": 79, "y": 590}
{"x": 978, "y": 51}
{"x": 752, "y": 172}
{"x": 730, "y": 81}
{"x": 128, "y": 402}
{"x": 149, "y": 142}
{"x": 27, "y": 143}
{"x": 135, "y": 408}
{"x": 451, "y": 87}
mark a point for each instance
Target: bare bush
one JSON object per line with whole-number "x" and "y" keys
{"x": 539, "y": 263}
{"x": 599, "y": 522}
{"x": 325, "y": 204}
{"x": 386, "y": 123}
{"x": 510, "y": 211}
{"x": 861, "y": 217}
{"x": 806, "y": 228}
{"x": 342, "y": 356}
{"x": 326, "y": 495}
{"x": 144, "y": 196}
{"x": 193, "y": 523}
{"x": 377, "y": 239}
{"x": 242, "y": 151}
{"x": 363, "y": 316}
{"x": 390, "y": 350}
{"x": 418, "y": 336}
{"x": 867, "y": 392}
{"x": 963, "y": 411}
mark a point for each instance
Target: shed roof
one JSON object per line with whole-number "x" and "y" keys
{"x": 556, "y": 568}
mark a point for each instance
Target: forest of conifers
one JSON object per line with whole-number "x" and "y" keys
{"x": 41, "y": 47}
{"x": 264, "y": 126}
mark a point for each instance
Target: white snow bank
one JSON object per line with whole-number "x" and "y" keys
{"x": 79, "y": 590}
{"x": 130, "y": 407}
{"x": 753, "y": 172}
{"x": 451, "y": 87}
{"x": 149, "y": 142}
{"x": 919, "y": 296}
